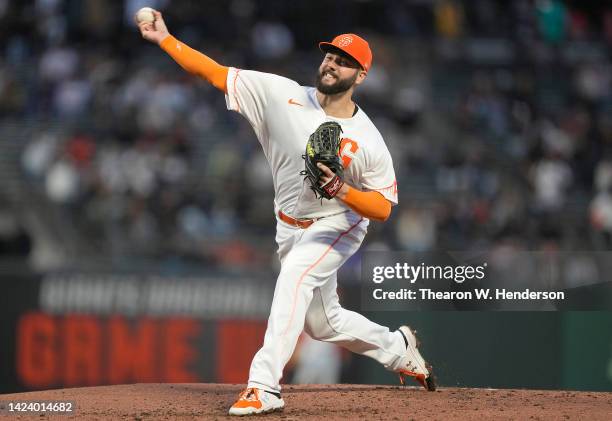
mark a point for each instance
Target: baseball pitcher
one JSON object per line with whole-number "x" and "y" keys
{"x": 332, "y": 173}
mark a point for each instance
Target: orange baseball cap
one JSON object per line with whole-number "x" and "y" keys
{"x": 354, "y": 46}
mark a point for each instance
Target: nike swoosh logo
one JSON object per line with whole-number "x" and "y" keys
{"x": 292, "y": 102}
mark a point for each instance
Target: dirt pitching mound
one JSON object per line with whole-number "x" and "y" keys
{"x": 329, "y": 402}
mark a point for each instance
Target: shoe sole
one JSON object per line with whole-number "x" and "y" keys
{"x": 429, "y": 382}
{"x": 256, "y": 412}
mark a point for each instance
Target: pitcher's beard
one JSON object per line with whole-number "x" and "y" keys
{"x": 339, "y": 86}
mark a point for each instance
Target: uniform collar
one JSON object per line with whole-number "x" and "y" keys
{"x": 312, "y": 94}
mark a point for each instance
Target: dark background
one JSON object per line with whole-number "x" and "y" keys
{"x": 112, "y": 159}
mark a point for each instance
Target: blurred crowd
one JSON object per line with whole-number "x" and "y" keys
{"x": 498, "y": 115}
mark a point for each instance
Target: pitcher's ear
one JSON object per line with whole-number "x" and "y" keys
{"x": 361, "y": 76}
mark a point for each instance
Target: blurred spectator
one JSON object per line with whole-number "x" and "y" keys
{"x": 552, "y": 20}
{"x": 58, "y": 63}
{"x": 603, "y": 176}
{"x": 62, "y": 182}
{"x": 272, "y": 40}
{"x": 551, "y": 178}
{"x": 449, "y": 18}
{"x": 72, "y": 98}
{"x": 416, "y": 229}
{"x": 593, "y": 80}
{"x": 601, "y": 216}
{"x": 14, "y": 239}
{"x": 39, "y": 154}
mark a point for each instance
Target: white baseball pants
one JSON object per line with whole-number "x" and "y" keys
{"x": 305, "y": 298}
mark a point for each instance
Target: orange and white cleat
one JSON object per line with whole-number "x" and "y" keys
{"x": 413, "y": 364}
{"x": 256, "y": 401}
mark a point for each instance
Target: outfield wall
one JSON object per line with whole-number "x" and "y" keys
{"x": 84, "y": 329}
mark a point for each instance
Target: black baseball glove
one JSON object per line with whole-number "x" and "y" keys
{"x": 324, "y": 146}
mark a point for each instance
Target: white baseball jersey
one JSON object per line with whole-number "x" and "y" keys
{"x": 284, "y": 115}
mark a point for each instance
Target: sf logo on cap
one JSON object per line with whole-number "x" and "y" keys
{"x": 345, "y": 40}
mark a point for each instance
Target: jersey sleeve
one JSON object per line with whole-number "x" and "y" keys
{"x": 379, "y": 176}
{"x": 249, "y": 92}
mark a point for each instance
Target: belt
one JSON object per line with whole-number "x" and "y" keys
{"x": 300, "y": 223}
{"x": 303, "y": 223}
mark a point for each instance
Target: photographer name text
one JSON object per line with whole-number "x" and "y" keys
{"x": 475, "y": 294}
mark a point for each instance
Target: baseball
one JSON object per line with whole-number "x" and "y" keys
{"x": 145, "y": 15}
